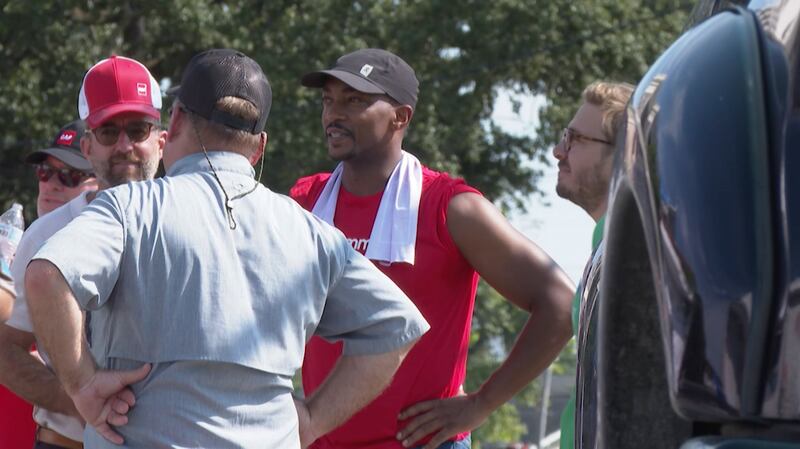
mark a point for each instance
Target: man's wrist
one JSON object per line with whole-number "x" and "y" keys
{"x": 75, "y": 383}
{"x": 483, "y": 400}
{"x": 65, "y": 405}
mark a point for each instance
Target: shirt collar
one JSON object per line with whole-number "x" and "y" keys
{"x": 222, "y": 160}
{"x": 597, "y": 234}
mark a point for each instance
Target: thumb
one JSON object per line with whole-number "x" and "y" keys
{"x": 133, "y": 376}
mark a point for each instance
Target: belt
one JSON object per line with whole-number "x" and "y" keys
{"x": 48, "y": 436}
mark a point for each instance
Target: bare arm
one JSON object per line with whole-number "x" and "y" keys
{"x": 102, "y": 397}
{"x": 6, "y": 304}
{"x": 27, "y": 376}
{"x": 520, "y": 271}
{"x": 57, "y": 321}
{"x": 354, "y": 382}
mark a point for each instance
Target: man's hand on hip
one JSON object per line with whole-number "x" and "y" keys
{"x": 306, "y": 429}
{"x": 105, "y": 400}
{"x": 444, "y": 418}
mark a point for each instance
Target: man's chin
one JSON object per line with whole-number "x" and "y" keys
{"x": 339, "y": 155}
{"x": 124, "y": 179}
{"x": 47, "y": 207}
{"x": 563, "y": 192}
{"x": 127, "y": 173}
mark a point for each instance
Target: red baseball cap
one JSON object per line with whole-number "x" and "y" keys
{"x": 116, "y": 85}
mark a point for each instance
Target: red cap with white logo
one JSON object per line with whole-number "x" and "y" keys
{"x": 116, "y": 85}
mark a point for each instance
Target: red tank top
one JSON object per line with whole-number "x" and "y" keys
{"x": 441, "y": 283}
{"x": 17, "y": 427}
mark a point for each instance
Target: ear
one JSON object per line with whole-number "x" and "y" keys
{"x": 176, "y": 120}
{"x": 163, "y": 135}
{"x": 402, "y": 116}
{"x": 86, "y": 146}
{"x": 259, "y": 152}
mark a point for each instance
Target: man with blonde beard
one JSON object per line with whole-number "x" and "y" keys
{"x": 585, "y": 157}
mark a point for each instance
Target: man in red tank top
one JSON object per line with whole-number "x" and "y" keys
{"x": 433, "y": 235}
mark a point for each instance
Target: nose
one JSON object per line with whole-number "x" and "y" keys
{"x": 124, "y": 144}
{"x": 332, "y": 113}
{"x": 560, "y": 151}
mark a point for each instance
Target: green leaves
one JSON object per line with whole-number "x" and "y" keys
{"x": 548, "y": 47}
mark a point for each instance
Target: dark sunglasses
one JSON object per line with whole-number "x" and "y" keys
{"x": 136, "y": 131}
{"x": 569, "y": 135}
{"x": 68, "y": 177}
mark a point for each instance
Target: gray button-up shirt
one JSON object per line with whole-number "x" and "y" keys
{"x": 219, "y": 311}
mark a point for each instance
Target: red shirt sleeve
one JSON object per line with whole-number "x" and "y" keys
{"x": 306, "y": 190}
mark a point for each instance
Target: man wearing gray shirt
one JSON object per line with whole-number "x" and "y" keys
{"x": 204, "y": 287}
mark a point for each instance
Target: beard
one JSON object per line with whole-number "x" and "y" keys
{"x": 587, "y": 191}
{"x": 340, "y": 156}
{"x": 142, "y": 169}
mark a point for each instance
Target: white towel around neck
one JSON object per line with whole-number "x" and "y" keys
{"x": 394, "y": 233}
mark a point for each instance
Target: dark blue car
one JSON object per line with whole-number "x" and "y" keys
{"x": 690, "y": 338}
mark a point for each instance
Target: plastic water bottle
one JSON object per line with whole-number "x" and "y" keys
{"x": 11, "y": 226}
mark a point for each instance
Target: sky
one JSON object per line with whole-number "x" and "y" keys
{"x": 558, "y": 226}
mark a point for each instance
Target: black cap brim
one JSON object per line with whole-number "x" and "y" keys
{"x": 173, "y": 91}
{"x": 66, "y": 156}
{"x": 357, "y": 82}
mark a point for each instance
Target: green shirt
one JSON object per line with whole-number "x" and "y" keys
{"x": 568, "y": 415}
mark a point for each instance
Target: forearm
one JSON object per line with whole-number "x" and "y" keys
{"x": 6, "y": 304}
{"x": 353, "y": 383}
{"x": 30, "y": 379}
{"x": 546, "y": 293}
{"x": 57, "y": 321}
{"x": 541, "y": 340}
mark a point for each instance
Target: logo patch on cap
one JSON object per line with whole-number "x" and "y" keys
{"x": 66, "y": 138}
{"x": 366, "y": 69}
{"x": 141, "y": 89}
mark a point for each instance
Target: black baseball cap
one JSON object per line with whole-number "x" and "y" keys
{"x": 66, "y": 147}
{"x": 222, "y": 72}
{"x": 372, "y": 71}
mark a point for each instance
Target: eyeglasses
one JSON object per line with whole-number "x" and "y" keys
{"x": 569, "y": 135}
{"x": 68, "y": 177}
{"x": 136, "y": 131}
